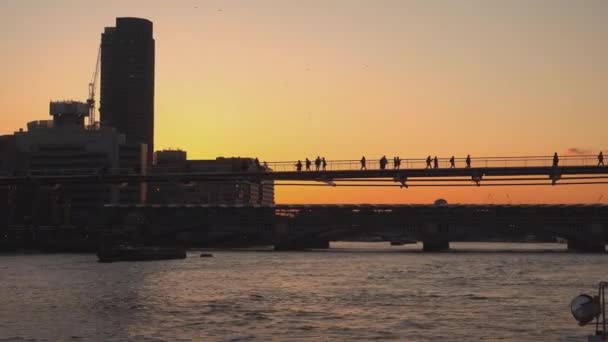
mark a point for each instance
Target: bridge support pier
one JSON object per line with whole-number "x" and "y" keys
{"x": 587, "y": 246}
{"x": 591, "y": 240}
{"x": 435, "y": 245}
{"x": 301, "y": 245}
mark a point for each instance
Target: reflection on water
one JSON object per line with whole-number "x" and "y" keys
{"x": 360, "y": 291}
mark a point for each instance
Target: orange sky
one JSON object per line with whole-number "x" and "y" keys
{"x": 285, "y": 80}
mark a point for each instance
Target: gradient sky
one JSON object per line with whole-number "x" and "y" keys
{"x": 283, "y": 80}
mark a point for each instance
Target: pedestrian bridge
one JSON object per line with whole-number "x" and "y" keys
{"x": 484, "y": 171}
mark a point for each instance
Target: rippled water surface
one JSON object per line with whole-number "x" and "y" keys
{"x": 352, "y": 292}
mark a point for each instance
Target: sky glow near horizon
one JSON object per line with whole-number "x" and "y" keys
{"x": 285, "y": 80}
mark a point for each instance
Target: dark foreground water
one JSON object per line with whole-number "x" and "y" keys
{"x": 352, "y": 292}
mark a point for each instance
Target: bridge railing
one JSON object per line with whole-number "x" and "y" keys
{"x": 420, "y": 163}
{"x": 337, "y": 165}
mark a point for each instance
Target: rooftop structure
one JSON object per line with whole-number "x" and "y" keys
{"x": 68, "y": 112}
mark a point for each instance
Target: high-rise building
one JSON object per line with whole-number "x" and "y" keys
{"x": 127, "y": 80}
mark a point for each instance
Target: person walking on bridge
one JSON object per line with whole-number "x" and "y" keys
{"x": 383, "y": 162}
{"x": 468, "y": 161}
{"x": 555, "y": 160}
{"x": 397, "y": 163}
{"x": 363, "y": 167}
{"x": 317, "y": 163}
{"x": 452, "y": 163}
{"x": 324, "y": 163}
{"x": 299, "y": 166}
{"x": 600, "y": 159}
{"x": 428, "y": 162}
{"x": 308, "y": 163}
{"x": 435, "y": 163}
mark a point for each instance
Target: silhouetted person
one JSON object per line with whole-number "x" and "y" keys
{"x": 323, "y": 163}
{"x": 600, "y": 159}
{"x": 363, "y": 167}
{"x": 257, "y": 163}
{"x": 317, "y": 163}
{"x": 468, "y": 161}
{"x": 265, "y": 165}
{"x": 308, "y": 163}
{"x": 555, "y": 160}
{"x": 299, "y": 165}
{"x": 435, "y": 163}
{"x": 452, "y": 163}
{"x": 383, "y": 162}
{"x": 397, "y": 162}
{"x": 428, "y": 162}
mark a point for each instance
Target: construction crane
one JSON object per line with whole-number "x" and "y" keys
{"x": 92, "y": 86}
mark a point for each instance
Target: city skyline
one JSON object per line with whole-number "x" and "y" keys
{"x": 286, "y": 82}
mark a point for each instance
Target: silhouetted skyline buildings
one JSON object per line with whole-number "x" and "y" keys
{"x": 127, "y": 80}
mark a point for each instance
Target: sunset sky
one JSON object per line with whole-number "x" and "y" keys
{"x": 283, "y": 80}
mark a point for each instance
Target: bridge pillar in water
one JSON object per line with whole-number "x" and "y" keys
{"x": 301, "y": 245}
{"x": 435, "y": 239}
{"x": 435, "y": 245}
{"x": 593, "y": 242}
{"x": 587, "y": 246}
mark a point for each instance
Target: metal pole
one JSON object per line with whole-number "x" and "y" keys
{"x": 603, "y": 288}
{"x": 597, "y": 319}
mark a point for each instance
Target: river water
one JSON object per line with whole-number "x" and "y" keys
{"x": 355, "y": 291}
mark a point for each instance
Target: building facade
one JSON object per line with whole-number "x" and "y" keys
{"x": 127, "y": 80}
{"x": 214, "y": 193}
{"x": 64, "y": 146}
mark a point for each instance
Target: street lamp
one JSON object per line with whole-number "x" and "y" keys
{"x": 585, "y": 309}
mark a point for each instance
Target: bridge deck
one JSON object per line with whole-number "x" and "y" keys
{"x": 539, "y": 169}
{"x": 480, "y": 173}
{"x": 365, "y": 206}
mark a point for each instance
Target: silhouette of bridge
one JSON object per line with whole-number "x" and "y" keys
{"x": 485, "y": 171}
{"x": 585, "y": 227}
{"x": 294, "y": 227}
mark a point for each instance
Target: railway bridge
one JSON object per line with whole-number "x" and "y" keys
{"x": 287, "y": 227}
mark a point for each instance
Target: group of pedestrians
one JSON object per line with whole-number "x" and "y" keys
{"x": 431, "y": 163}
{"x": 383, "y": 163}
{"x": 396, "y": 163}
{"x": 320, "y": 162}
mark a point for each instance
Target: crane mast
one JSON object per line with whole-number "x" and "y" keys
{"x": 92, "y": 87}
